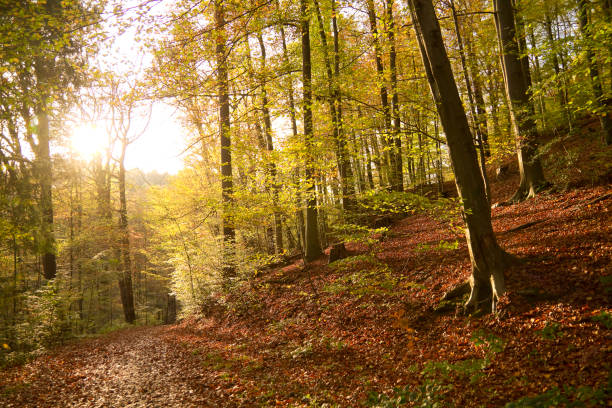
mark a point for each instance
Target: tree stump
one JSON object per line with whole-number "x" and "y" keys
{"x": 337, "y": 252}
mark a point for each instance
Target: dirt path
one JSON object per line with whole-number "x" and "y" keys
{"x": 130, "y": 368}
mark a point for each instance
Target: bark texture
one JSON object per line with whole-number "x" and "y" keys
{"x": 227, "y": 186}
{"x": 517, "y": 82}
{"x": 312, "y": 244}
{"x": 126, "y": 290}
{"x": 488, "y": 259}
{"x": 605, "y": 105}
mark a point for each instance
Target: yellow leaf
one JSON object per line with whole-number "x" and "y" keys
{"x": 6, "y": 346}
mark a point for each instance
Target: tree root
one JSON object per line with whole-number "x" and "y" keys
{"x": 461, "y": 289}
{"x": 525, "y": 192}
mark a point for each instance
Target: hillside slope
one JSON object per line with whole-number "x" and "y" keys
{"x": 372, "y": 328}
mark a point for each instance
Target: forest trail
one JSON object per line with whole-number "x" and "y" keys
{"x": 130, "y": 368}
{"x": 309, "y": 336}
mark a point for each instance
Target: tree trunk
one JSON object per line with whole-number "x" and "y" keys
{"x": 170, "y": 317}
{"x": 468, "y": 85}
{"x": 125, "y": 275}
{"x": 227, "y": 186}
{"x": 278, "y": 226}
{"x": 488, "y": 259}
{"x": 44, "y": 169}
{"x": 384, "y": 96}
{"x": 292, "y": 115}
{"x": 312, "y": 244}
{"x": 342, "y": 156}
{"x": 521, "y": 110}
{"x": 398, "y": 171}
{"x": 601, "y": 103}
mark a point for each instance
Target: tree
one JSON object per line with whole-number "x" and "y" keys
{"x": 312, "y": 244}
{"x": 517, "y": 82}
{"x": 384, "y": 94}
{"x": 227, "y": 184}
{"x": 488, "y": 259}
{"x": 123, "y": 109}
{"x": 604, "y": 106}
{"x": 335, "y": 107}
{"x": 398, "y": 172}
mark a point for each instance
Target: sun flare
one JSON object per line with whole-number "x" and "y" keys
{"x": 87, "y": 139}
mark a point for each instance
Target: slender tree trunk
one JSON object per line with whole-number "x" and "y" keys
{"x": 603, "y": 104}
{"x": 357, "y": 162}
{"x": 378, "y": 161}
{"x": 227, "y": 185}
{"x": 521, "y": 110}
{"x": 468, "y": 85}
{"x": 312, "y": 243}
{"x": 368, "y": 166}
{"x": 125, "y": 275}
{"x": 488, "y": 260}
{"x": 347, "y": 170}
{"x": 561, "y": 92}
{"x": 481, "y": 112}
{"x": 538, "y": 78}
{"x": 45, "y": 177}
{"x": 398, "y": 171}
{"x": 278, "y": 226}
{"x": 384, "y": 95}
{"x": 344, "y": 165}
{"x": 292, "y": 115}
{"x": 44, "y": 68}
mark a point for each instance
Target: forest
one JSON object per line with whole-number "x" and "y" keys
{"x": 305, "y": 203}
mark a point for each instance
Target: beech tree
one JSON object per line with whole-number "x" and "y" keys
{"x": 488, "y": 259}
{"x": 312, "y": 243}
{"x": 517, "y": 81}
{"x": 227, "y": 183}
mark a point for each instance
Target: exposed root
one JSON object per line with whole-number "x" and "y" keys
{"x": 459, "y": 290}
{"x": 527, "y": 191}
{"x": 485, "y": 294}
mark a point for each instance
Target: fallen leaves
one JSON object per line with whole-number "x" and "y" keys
{"x": 301, "y": 345}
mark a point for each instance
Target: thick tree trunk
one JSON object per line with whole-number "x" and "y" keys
{"x": 227, "y": 185}
{"x": 488, "y": 259}
{"x": 312, "y": 244}
{"x": 521, "y": 110}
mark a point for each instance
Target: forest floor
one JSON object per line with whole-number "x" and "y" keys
{"x": 366, "y": 330}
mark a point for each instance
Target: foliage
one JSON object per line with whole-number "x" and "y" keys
{"x": 393, "y": 202}
{"x": 440, "y": 377}
{"x": 567, "y": 396}
{"x": 551, "y": 331}
{"x": 604, "y": 318}
{"x": 371, "y": 276}
{"x": 358, "y": 233}
{"x": 48, "y": 321}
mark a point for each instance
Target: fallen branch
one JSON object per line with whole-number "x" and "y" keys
{"x": 524, "y": 226}
{"x": 593, "y": 201}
